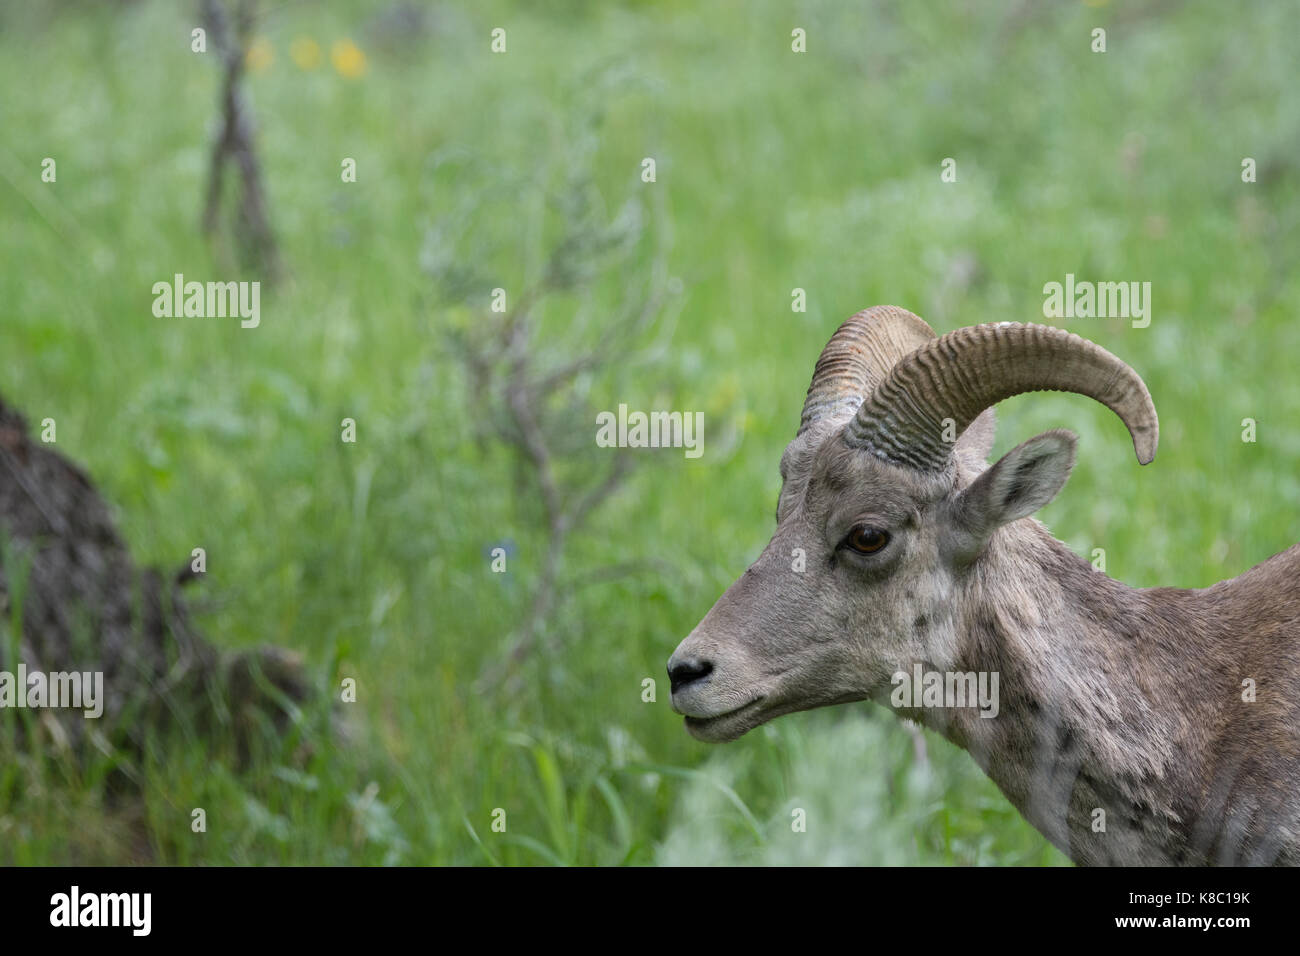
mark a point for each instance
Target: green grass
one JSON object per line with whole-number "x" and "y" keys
{"x": 818, "y": 171}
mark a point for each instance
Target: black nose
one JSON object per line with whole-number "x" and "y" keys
{"x": 688, "y": 672}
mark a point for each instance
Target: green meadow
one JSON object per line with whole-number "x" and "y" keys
{"x": 773, "y": 171}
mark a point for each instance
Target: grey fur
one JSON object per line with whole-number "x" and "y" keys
{"x": 1113, "y": 699}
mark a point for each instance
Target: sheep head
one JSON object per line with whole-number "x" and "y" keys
{"x": 886, "y": 505}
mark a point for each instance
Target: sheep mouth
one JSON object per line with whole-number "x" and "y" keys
{"x": 723, "y": 727}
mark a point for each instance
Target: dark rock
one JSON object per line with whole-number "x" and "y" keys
{"x": 84, "y": 606}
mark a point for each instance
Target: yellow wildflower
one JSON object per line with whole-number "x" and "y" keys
{"x": 260, "y": 55}
{"x": 348, "y": 59}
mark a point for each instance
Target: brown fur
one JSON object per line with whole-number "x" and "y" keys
{"x": 1131, "y": 701}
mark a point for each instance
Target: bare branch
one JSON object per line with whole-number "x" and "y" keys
{"x": 234, "y": 139}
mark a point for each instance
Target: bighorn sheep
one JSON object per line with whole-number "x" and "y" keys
{"x": 1123, "y": 732}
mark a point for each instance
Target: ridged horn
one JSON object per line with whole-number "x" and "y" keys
{"x": 857, "y": 359}
{"x": 962, "y": 373}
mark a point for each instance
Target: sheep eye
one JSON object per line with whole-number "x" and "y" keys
{"x": 867, "y": 540}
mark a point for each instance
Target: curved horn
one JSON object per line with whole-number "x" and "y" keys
{"x": 968, "y": 370}
{"x": 858, "y": 357}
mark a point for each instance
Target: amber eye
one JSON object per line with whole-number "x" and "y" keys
{"x": 865, "y": 539}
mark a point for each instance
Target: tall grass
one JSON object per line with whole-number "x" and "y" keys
{"x": 818, "y": 171}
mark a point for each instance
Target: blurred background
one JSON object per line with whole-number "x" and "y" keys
{"x": 522, "y": 688}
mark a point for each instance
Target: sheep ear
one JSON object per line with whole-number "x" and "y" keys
{"x": 1023, "y": 480}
